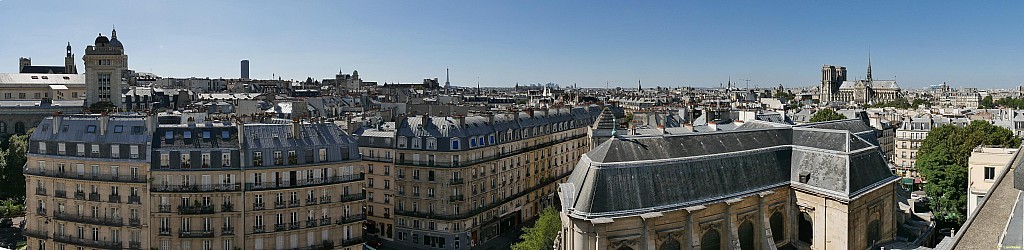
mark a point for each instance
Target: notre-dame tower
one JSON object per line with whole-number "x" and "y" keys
{"x": 831, "y": 78}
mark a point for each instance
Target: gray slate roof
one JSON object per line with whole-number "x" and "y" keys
{"x": 627, "y": 176}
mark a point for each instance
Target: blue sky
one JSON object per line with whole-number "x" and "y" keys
{"x": 673, "y": 43}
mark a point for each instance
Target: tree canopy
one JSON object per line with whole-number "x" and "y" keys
{"x": 825, "y": 115}
{"x": 99, "y": 107}
{"x": 942, "y": 161}
{"x": 12, "y": 161}
{"x": 542, "y": 235}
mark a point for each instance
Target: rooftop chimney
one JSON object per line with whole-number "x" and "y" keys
{"x": 295, "y": 128}
{"x": 461, "y": 120}
{"x": 489, "y": 116}
{"x": 56, "y": 121}
{"x": 103, "y": 122}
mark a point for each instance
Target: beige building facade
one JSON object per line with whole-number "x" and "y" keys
{"x": 983, "y": 168}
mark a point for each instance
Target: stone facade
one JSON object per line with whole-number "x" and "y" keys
{"x": 105, "y": 66}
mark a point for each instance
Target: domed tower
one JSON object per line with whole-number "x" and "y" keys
{"x": 69, "y": 62}
{"x": 105, "y": 64}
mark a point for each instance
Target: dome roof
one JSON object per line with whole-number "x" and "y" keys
{"x": 102, "y": 39}
{"x": 114, "y": 42}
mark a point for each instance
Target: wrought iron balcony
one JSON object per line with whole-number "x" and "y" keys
{"x": 227, "y": 207}
{"x": 353, "y": 197}
{"x": 196, "y": 188}
{"x": 259, "y": 229}
{"x": 279, "y": 227}
{"x": 195, "y": 234}
{"x": 311, "y": 201}
{"x": 258, "y": 206}
{"x": 114, "y": 198}
{"x": 38, "y": 234}
{"x": 227, "y": 231}
{"x": 134, "y": 199}
{"x": 80, "y": 195}
{"x": 134, "y": 245}
{"x": 280, "y": 204}
{"x": 196, "y": 209}
{"x": 325, "y": 221}
{"x": 255, "y": 186}
{"x": 311, "y": 223}
{"x": 351, "y": 218}
{"x": 106, "y": 221}
{"x": 164, "y": 208}
{"x": 294, "y": 203}
{"x": 352, "y": 241}
{"x": 165, "y": 231}
{"x": 134, "y": 222}
{"x": 325, "y": 199}
{"x": 101, "y": 244}
{"x": 40, "y": 211}
{"x": 294, "y": 225}
{"x": 455, "y": 198}
{"x": 456, "y": 181}
{"x": 40, "y": 191}
{"x": 60, "y": 193}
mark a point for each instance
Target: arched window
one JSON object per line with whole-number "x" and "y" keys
{"x": 711, "y": 240}
{"x": 778, "y": 227}
{"x": 19, "y": 128}
{"x": 670, "y": 244}
{"x": 746, "y": 232}
{"x": 806, "y": 228}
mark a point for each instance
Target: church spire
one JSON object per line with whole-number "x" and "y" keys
{"x": 69, "y": 48}
{"x": 869, "y": 64}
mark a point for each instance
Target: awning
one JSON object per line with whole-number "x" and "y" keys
{"x": 908, "y": 181}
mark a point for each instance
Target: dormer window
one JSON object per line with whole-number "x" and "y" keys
{"x": 169, "y": 135}
{"x": 224, "y": 134}
{"x": 118, "y": 129}
{"x": 401, "y": 142}
{"x": 472, "y": 142}
{"x": 187, "y": 134}
{"x": 90, "y": 129}
{"x": 206, "y": 135}
{"x": 416, "y": 142}
{"x": 455, "y": 143}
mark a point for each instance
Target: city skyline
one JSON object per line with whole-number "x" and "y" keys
{"x": 500, "y": 44}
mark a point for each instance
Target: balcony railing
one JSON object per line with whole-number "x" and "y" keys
{"x": 227, "y": 207}
{"x": 106, "y": 221}
{"x": 40, "y": 191}
{"x": 294, "y": 225}
{"x": 350, "y": 219}
{"x": 227, "y": 231}
{"x": 80, "y": 195}
{"x": 259, "y": 229}
{"x": 294, "y": 203}
{"x": 258, "y": 206}
{"x": 195, "y": 234}
{"x": 378, "y": 158}
{"x": 86, "y": 176}
{"x": 352, "y": 241}
{"x": 134, "y": 222}
{"x": 325, "y": 221}
{"x": 353, "y": 197}
{"x": 304, "y": 183}
{"x": 280, "y": 227}
{"x": 114, "y": 198}
{"x": 455, "y": 198}
{"x": 280, "y": 204}
{"x": 196, "y": 188}
{"x": 60, "y": 193}
{"x": 485, "y": 159}
{"x": 134, "y": 245}
{"x": 94, "y": 196}
{"x": 456, "y": 181}
{"x": 311, "y": 223}
{"x": 164, "y": 208}
{"x": 38, "y": 234}
{"x": 101, "y": 244}
{"x": 164, "y": 231}
{"x": 196, "y": 209}
{"x": 134, "y": 199}
{"x": 41, "y": 211}
{"x": 325, "y": 199}
{"x": 311, "y": 201}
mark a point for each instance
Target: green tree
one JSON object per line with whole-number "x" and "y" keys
{"x": 942, "y": 161}
{"x": 825, "y": 115}
{"x": 987, "y": 102}
{"x": 12, "y": 161}
{"x": 99, "y": 107}
{"x": 542, "y": 235}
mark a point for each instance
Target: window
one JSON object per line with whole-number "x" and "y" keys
{"x": 323, "y": 154}
{"x": 118, "y": 129}
{"x": 165, "y": 160}
{"x": 257, "y": 158}
{"x": 81, "y": 150}
{"x": 60, "y": 148}
{"x": 224, "y": 134}
{"x": 90, "y": 129}
{"x": 455, "y": 144}
{"x": 225, "y": 159}
{"x": 990, "y": 173}
{"x": 169, "y": 135}
{"x": 187, "y": 134}
{"x": 133, "y": 151}
{"x": 206, "y": 135}
{"x": 115, "y": 151}
{"x": 42, "y": 145}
